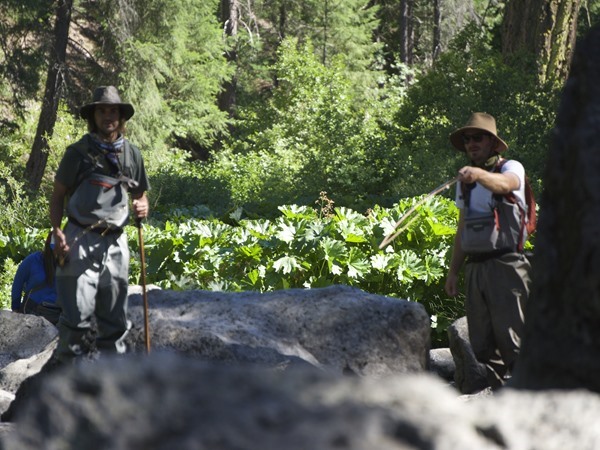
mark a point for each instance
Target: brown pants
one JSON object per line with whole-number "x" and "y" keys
{"x": 497, "y": 292}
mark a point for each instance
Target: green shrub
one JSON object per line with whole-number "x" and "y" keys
{"x": 470, "y": 77}
{"x": 311, "y": 134}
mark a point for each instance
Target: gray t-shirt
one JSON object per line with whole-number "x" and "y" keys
{"x": 74, "y": 164}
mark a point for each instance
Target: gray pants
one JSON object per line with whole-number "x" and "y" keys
{"x": 497, "y": 292}
{"x": 93, "y": 281}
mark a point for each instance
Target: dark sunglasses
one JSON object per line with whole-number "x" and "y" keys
{"x": 478, "y": 137}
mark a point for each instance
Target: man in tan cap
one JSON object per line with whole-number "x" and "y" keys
{"x": 490, "y": 237}
{"x": 96, "y": 177}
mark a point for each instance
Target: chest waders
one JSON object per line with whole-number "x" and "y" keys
{"x": 93, "y": 282}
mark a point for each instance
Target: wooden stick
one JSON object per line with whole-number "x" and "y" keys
{"x": 388, "y": 239}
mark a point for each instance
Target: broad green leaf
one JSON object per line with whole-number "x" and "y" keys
{"x": 253, "y": 252}
{"x": 336, "y": 269}
{"x": 387, "y": 225}
{"x": 349, "y": 215}
{"x": 253, "y": 276}
{"x": 411, "y": 266}
{"x": 440, "y": 229}
{"x": 258, "y": 228}
{"x": 334, "y": 251}
{"x": 358, "y": 264}
{"x": 381, "y": 261}
{"x": 313, "y": 231}
{"x": 298, "y": 212}
{"x": 353, "y": 238}
{"x": 286, "y": 264}
{"x": 286, "y": 232}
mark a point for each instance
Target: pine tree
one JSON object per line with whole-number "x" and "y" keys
{"x": 25, "y": 35}
{"x": 172, "y": 69}
{"x": 337, "y": 29}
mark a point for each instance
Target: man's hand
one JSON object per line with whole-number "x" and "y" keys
{"x": 469, "y": 174}
{"x": 141, "y": 206}
{"x": 61, "y": 246}
{"x": 498, "y": 183}
{"x": 451, "y": 286}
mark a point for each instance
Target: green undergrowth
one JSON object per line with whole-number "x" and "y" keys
{"x": 304, "y": 247}
{"x": 310, "y": 248}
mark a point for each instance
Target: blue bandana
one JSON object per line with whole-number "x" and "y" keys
{"x": 110, "y": 149}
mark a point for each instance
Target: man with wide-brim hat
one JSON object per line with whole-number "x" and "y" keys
{"x": 95, "y": 179}
{"x": 489, "y": 242}
{"x": 478, "y": 122}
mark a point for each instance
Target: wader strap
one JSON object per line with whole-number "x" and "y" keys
{"x": 477, "y": 258}
{"x": 103, "y": 230}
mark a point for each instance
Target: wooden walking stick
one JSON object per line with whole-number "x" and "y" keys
{"x": 389, "y": 238}
{"x": 138, "y": 223}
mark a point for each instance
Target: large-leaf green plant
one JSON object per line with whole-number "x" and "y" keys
{"x": 306, "y": 247}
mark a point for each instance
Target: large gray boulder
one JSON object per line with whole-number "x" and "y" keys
{"x": 27, "y": 343}
{"x": 169, "y": 401}
{"x": 337, "y": 328}
{"x": 23, "y": 336}
{"x": 469, "y": 374}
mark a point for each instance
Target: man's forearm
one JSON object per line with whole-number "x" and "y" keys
{"x": 57, "y": 204}
{"x": 458, "y": 256}
{"x": 56, "y": 211}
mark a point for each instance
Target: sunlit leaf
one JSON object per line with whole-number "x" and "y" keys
{"x": 286, "y": 264}
{"x": 358, "y": 264}
{"x": 286, "y": 232}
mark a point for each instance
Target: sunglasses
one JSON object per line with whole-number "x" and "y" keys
{"x": 478, "y": 137}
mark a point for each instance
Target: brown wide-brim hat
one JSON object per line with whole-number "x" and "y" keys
{"x": 106, "y": 95}
{"x": 477, "y": 122}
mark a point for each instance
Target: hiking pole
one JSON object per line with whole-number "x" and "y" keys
{"x": 389, "y": 238}
{"x": 138, "y": 224}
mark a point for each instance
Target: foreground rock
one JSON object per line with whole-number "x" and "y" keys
{"x": 167, "y": 401}
{"x": 338, "y": 328}
{"x": 23, "y": 336}
{"x": 26, "y": 344}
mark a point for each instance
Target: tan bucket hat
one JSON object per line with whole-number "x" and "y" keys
{"x": 477, "y": 122}
{"x": 106, "y": 95}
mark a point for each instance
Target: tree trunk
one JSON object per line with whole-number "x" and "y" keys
{"x": 561, "y": 342}
{"x": 282, "y": 21}
{"x": 325, "y": 23}
{"x": 36, "y": 165}
{"x": 230, "y": 11}
{"x": 544, "y": 28}
{"x": 437, "y": 34}
{"x": 406, "y": 31}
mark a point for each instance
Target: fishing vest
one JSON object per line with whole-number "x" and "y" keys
{"x": 100, "y": 197}
{"x": 501, "y": 229}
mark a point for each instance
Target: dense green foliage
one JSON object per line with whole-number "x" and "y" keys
{"x": 313, "y": 134}
{"x": 304, "y": 247}
{"x": 307, "y": 247}
{"x": 168, "y": 58}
